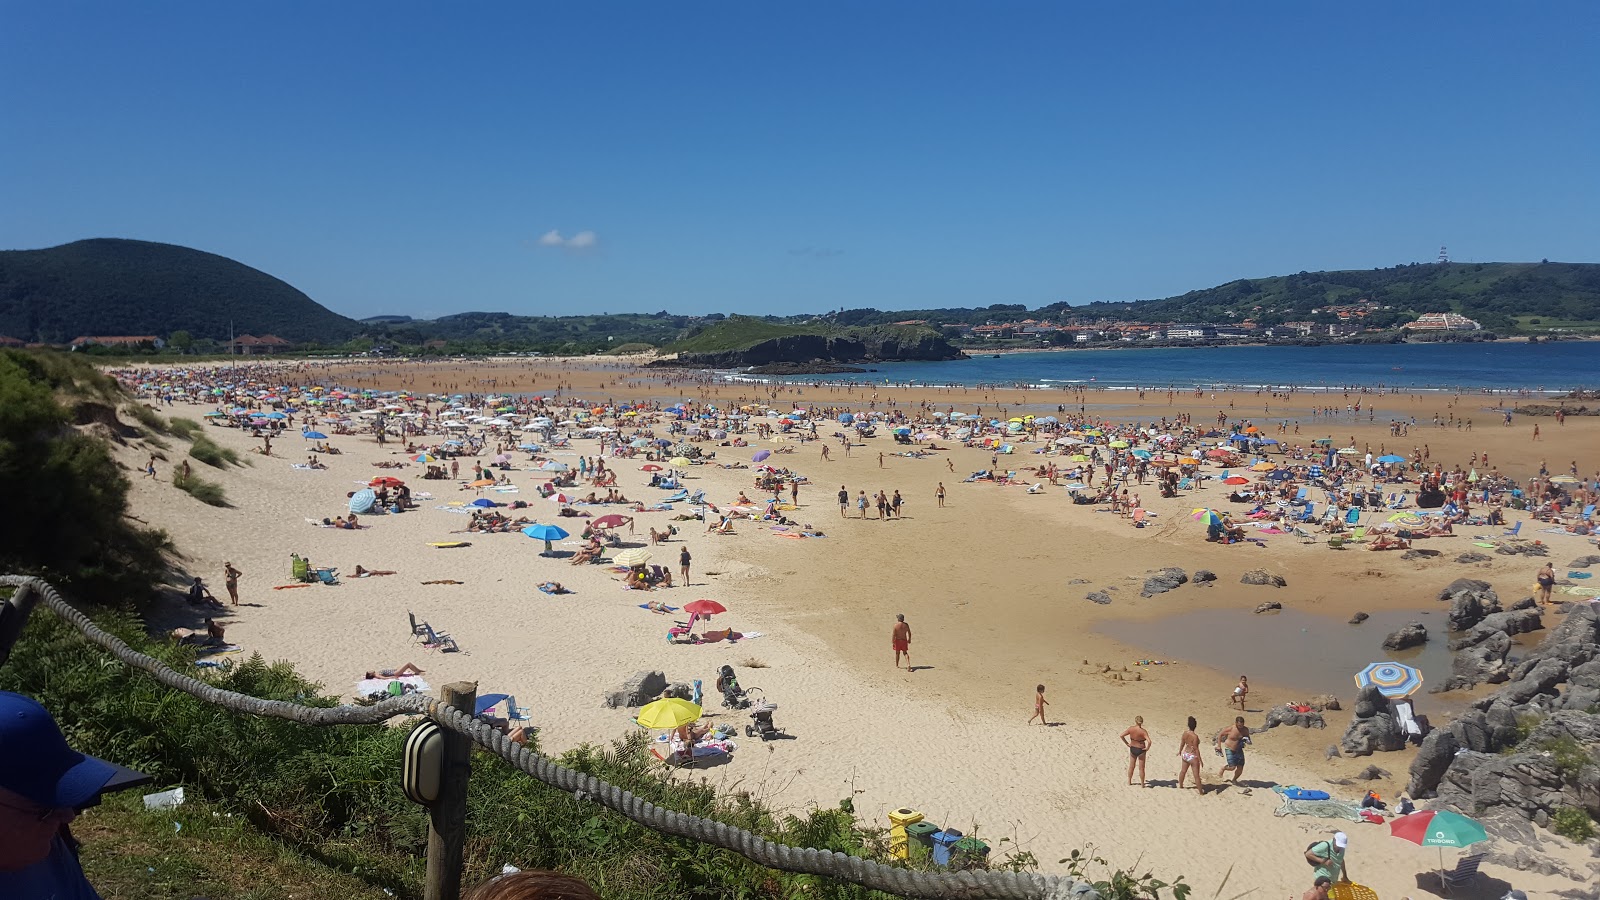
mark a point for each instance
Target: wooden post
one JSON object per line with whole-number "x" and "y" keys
{"x": 447, "y": 819}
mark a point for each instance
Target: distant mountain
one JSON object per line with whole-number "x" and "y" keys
{"x": 110, "y": 286}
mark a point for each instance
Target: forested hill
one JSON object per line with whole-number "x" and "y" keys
{"x": 1493, "y": 293}
{"x": 109, "y": 286}
{"x": 1502, "y": 296}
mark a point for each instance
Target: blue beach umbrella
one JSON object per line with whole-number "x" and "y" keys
{"x": 361, "y": 501}
{"x": 1391, "y": 458}
{"x": 483, "y": 503}
{"x": 544, "y": 532}
{"x": 1392, "y": 679}
{"x": 276, "y": 415}
{"x": 313, "y": 435}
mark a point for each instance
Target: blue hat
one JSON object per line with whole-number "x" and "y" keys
{"x": 36, "y": 762}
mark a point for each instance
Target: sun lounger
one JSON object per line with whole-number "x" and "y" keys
{"x": 1408, "y": 720}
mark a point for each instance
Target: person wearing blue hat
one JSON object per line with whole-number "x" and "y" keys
{"x": 44, "y": 784}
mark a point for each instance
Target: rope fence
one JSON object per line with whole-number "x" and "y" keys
{"x": 966, "y": 885}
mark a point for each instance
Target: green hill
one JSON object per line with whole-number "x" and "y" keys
{"x": 109, "y": 286}
{"x": 1493, "y": 293}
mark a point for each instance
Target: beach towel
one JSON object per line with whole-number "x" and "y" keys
{"x": 444, "y": 545}
{"x": 1322, "y": 809}
{"x": 664, "y": 610}
{"x": 369, "y": 686}
{"x": 288, "y": 587}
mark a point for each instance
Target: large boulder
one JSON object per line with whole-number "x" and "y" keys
{"x": 1557, "y": 766}
{"x": 638, "y": 690}
{"x": 1163, "y": 580}
{"x": 1375, "y": 726}
{"x": 1285, "y": 714}
{"x": 1438, "y": 750}
{"x": 1479, "y": 663}
{"x": 1463, "y": 584}
{"x": 1467, "y": 608}
{"x": 1528, "y": 682}
{"x": 1100, "y": 597}
{"x": 1583, "y": 687}
{"x": 1263, "y": 577}
{"x": 1513, "y": 621}
{"x": 1414, "y": 634}
{"x": 1201, "y": 576}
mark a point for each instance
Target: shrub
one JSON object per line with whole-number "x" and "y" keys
{"x": 149, "y": 418}
{"x": 67, "y": 495}
{"x": 1569, "y": 756}
{"x": 184, "y": 428}
{"x": 211, "y": 453}
{"x": 1573, "y": 824}
{"x": 207, "y": 492}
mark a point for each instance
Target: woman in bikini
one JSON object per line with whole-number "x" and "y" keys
{"x": 1189, "y": 753}
{"x": 1138, "y": 741}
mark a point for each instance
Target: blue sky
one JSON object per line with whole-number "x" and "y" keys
{"x": 766, "y": 157}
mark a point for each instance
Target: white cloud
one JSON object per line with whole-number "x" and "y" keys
{"x": 583, "y": 240}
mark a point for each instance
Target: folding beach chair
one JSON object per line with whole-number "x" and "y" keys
{"x": 1300, "y": 495}
{"x": 514, "y": 712}
{"x": 1185, "y": 484}
{"x": 1465, "y": 871}
{"x": 1408, "y": 719}
{"x": 1514, "y": 530}
{"x": 1353, "y": 517}
{"x": 438, "y": 640}
{"x": 1309, "y": 514}
{"x": 419, "y": 630}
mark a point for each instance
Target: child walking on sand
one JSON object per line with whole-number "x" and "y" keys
{"x": 1039, "y": 703}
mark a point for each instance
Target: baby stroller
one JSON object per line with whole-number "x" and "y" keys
{"x": 761, "y": 720}
{"x": 733, "y": 696}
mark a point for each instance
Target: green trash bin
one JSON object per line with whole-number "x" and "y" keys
{"x": 920, "y": 838}
{"x": 969, "y": 853}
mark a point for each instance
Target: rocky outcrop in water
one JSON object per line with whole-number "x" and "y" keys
{"x": 1414, "y": 634}
{"x": 873, "y": 346}
{"x": 1470, "y": 600}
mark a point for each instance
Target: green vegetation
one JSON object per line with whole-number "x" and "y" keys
{"x": 1573, "y": 824}
{"x": 1569, "y": 756}
{"x": 211, "y": 453}
{"x": 634, "y": 347}
{"x": 188, "y": 429}
{"x": 119, "y": 287}
{"x": 65, "y": 495}
{"x": 149, "y": 418}
{"x": 1526, "y": 723}
{"x": 207, "y": 492}
{"x": 1123, "y": 884}
{"x": 740, "y": 332}
{"x": 200, "y": 849}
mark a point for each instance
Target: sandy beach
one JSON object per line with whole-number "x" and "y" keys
{"x": 993, "y": 584}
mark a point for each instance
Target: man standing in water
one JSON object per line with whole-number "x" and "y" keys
{"x": 1189, "y": 754}
{"x": 1231, "y": 742}
{"x": 1138, "y": 741}
{"x": 900, "y": 639}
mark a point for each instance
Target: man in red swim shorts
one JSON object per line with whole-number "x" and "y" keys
{"x": 900, "y": 639}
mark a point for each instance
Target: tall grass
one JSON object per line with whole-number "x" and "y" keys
{"x": 207, "y": 492}
{"x": 187, "y": 429}
{"x": 147, "y": 417}
{"x": 211, "y": 453}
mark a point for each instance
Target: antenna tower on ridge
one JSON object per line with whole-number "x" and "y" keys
{"x": 1444, "y": 257}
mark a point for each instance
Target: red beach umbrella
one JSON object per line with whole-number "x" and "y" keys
{"x": 704, "y": 607}
{"x": 610, "y": 521}
{"x": 1235, "y": 480}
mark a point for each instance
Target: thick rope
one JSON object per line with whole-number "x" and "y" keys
{"x": 969, "y": 885}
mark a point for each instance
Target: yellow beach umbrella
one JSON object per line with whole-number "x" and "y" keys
{"x": 1188, "y": 461}
{"x": 1118, "y": 445}
{"x": 668, "y": 712}
{"x": 1263, "y": 467}
{"x": 638, "y": 556}
{"x": 682, "y": 461}
{"x": 1077, "y": 457}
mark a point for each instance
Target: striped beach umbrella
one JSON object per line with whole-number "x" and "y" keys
{"x": 1392, "y": 679}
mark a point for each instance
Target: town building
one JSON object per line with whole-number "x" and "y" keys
{"x": 250, "y": 345}
{"x": 1443, "y": 322}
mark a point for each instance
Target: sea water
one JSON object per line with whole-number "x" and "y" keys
{"x": 1503, "y": 366}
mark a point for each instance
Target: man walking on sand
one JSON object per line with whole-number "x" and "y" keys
{"x": 844, "y": 502}
{"x": 1231, "y": 742}
{"x": 900, "y": 639}
{"x": 1138, "y": 741}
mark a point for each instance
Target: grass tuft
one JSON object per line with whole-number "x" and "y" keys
{"x": 211, "y": 453}
{"x": 187, "y": 429}
{"x": 207, "y": 492}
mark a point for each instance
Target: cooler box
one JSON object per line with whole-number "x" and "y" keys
{"x": 943, "y": 843}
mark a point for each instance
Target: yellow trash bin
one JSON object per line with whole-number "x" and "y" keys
{"x": 899, "y": 845}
